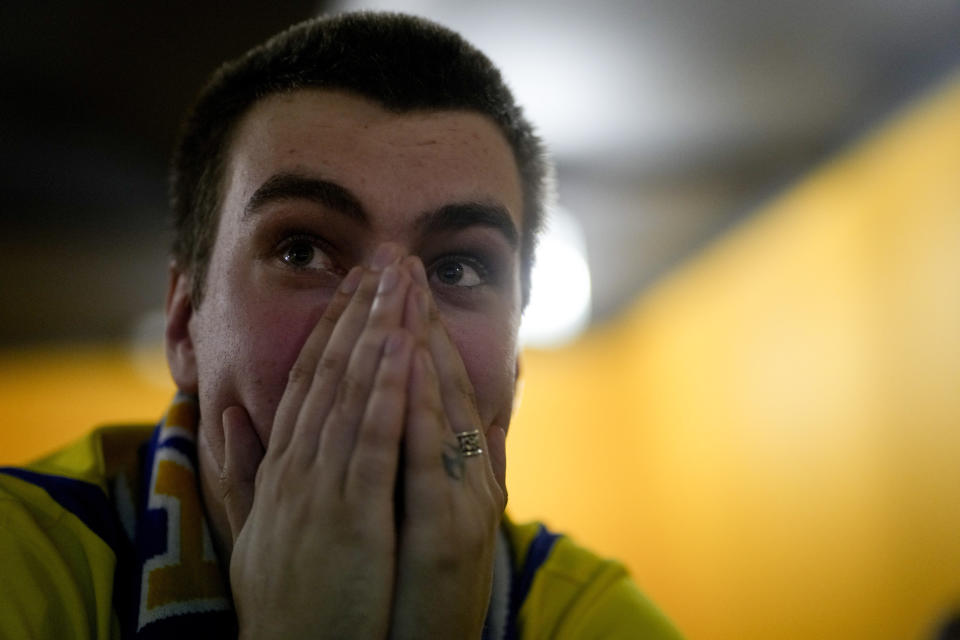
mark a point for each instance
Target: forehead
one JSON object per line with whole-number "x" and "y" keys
{"x": 394, "y": 163}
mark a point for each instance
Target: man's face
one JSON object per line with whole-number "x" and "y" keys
{"x": 315, "y": 181}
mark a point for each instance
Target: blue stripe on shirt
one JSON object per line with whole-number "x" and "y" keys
{"x": 83, "y": 499}
{"x": 537, "y": 554}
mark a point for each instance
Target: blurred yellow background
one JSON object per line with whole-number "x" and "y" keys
{"x": 770, "y": 438}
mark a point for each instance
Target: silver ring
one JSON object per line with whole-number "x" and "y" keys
{"x": 469, "y": 442}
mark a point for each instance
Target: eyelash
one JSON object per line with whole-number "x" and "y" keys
{"x": 474, "y": 262}
{"x": 478, "y": 263}
{"x": 318, "y": 244}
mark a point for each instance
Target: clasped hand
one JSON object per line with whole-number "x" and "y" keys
{"x": 364, "y": 519}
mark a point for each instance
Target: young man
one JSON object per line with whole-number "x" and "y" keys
{"x": 356, "y": 203}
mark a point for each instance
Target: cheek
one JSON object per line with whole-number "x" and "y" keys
{"x": 274, "y": 346}
{"x": 489, "y": 356}
{"x": 248, "y": 358}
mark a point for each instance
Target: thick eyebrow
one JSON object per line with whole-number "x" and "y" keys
{"x": 462, "y": 215}
{"x": 295, "y": 186}
{"x": 450, "y": 217}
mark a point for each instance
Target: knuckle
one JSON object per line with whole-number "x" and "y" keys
{"x": 434, "y": 417}
{"x": 370, "y": 477}
{"x": 350, "y": 533}
{"x": 433, "y": 314}
{"x": 474, "y": 543}
{"x": 489, "y": 509}
{"x": 329, "y": 319}
{"x": 298, "y": 373}
{"x": 365, "y": 295}
{"x": 372, "y": 439}
{"x": 498, "y": 503}
{"x": 370, "y": 343}
{"x": 350, "y": 391}
{"x": 357, "y": 522}
{"x": 438, "y": 415}
{"x": 297, "y": 459}
{"x": 224, "y": 479}
{"x": 329, "y": 363}
{"x": 446, "y": 555}
{"x": 271, "y": 458}
{"x": 465, "y": 389}
{"x": 447, "y": 560}
{"x": 391, "y": 380}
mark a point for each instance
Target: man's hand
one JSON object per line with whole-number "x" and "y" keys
{"x": 316, "y": 553}
{"x": 317, "y": 548}
{"x": 452, "y": 504}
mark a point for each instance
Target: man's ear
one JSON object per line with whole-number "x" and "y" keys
{"x": 181, "y": 357}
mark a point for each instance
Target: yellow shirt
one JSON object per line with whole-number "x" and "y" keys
{"x": 81, "y": 533}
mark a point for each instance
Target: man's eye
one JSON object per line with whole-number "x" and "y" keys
{"x": 303, "y": 253}
{"x": 459, "y": 272}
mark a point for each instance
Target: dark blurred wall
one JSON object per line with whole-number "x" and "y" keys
{"x": 90, "y": 103}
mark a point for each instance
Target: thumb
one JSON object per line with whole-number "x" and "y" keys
{"x": 242, "y": 455}
{"x": 497, "y": 446}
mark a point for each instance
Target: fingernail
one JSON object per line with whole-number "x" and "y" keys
{"x": 352, "y": 281}
{"x": 388, "y": 279}
{"x": 384, "y": 255}
{"x": 418, "y": 272}
{"x": 394, "y": 342}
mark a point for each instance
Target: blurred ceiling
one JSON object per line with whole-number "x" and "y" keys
{"x": 669, "y": 120}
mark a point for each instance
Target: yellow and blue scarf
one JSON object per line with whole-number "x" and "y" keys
{"x": 138, "y": 492}
{"x": 180, "y": 587}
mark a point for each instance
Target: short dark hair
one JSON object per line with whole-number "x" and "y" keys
{"x": 402, "y": 62}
